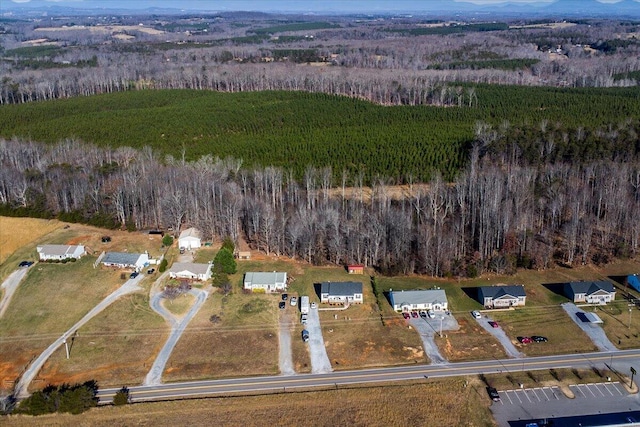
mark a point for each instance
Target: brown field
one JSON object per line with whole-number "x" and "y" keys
{"x": 180, "y": 305}
{"x": 621, "y": 326}
{"x": 444, "y": 402}
{"x": 16, "y": 233}
{"x": 111, "y": 351}
{"x": 470, "y": 342}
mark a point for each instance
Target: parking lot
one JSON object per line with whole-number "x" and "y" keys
{"x": 516, "y": 407}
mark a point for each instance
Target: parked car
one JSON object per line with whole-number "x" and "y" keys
{"x": 476, "y": 314}
{"x": 294, "y": 300}
{"x": 285, "y": 297}
{"x": 493, "y": 324}
{"x": 314, "y": 305}
{"x": 538, "y": 338}
{"x": 133, "y": 275}
{"x": 282, "y": 305}
{"x": 303, "y": 319}
{"x": 414, "y": 314}
{"x": 493, "y": 394}
{"x": 106, "y": 239}
{"x": 25, "y": 264}
{"x": 182, "y": 250}
{"x": 305, "y": 335}
{"x": 151, "y": 271}
{"x": 524, "y": 340}
{"x": 423, "y": 314}
{"x": 431, "y": 314}
{"x": 406, "y": 315}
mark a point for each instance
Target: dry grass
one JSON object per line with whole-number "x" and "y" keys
{"x": 470, "y": 342}
{"x": 180, "y": 305}
{"x": 444, "y": 402}
{"x": 549, "y": 378}
{"x": 616, "y": 324}
{"x": 17, "y": 233}
{"x": 116, "y": 347}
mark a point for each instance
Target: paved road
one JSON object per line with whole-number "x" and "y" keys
{"x": 427, "y": 333}
{"x": 10, "y": 285}
{"x": 593, "y": 331}
{"x": 320, "y": 363}
{"x": 154, "y": 376}
{"x": 499, "y": 333}
{"x": 621, "y": 360}
{"x": 284, "y": 339}
{"x": 129, "y": 286}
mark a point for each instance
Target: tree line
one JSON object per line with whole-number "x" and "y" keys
{"x": 499, "y": 213}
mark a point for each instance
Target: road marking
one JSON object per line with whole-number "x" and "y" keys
{"x": 617, "y": 388}
{"x": 536, "y": 394}
{"x": 577, "y": 387}
{"x": 545, "y": 394}
{"x": 600, "y": 389}
{"x": 607, "y": 388}
{"x": 507, "y": 394}
{"x": 589, "y": 388}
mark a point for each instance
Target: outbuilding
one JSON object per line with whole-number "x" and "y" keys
{"x": 355, "y": 268}
{"x": 189, "y": 239}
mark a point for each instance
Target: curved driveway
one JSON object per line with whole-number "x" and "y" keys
{"x": 10, "y": 285}
{"x": 154, "y": 377}
{"x": 21, "y": 390}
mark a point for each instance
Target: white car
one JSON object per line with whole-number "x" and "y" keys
{"x": 431, "y": 314}
{"x": 476, "y": 314}
{"x": 294, "y": 300}
{"x": 314, "y": 305}
{"x": 303, "y": 319}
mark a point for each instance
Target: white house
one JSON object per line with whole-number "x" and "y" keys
{"x": 126, "y": 260}
{"x": 341, "y": 292}
{"x": 189, "y": 239}
{"x": 190, "y": 270}
{"x": 266, "y": 281}
{"x": 600, "y": 292}
{"x": 60, "y": 252}
{"x": 502, "y": 296}
{"x": 406, "y": 301}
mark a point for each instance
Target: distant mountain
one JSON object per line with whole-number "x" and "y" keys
{"x": 568, "y": 8}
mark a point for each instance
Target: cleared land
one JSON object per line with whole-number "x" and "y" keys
{"x": 17, "y": 236}
{"x": 446, "y": 402}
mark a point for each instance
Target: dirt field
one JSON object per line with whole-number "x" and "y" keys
{"x": 442, "y": 403}
{"x": 106, "y": 29}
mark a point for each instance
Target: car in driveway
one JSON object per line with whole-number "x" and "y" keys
{"x": 414, "y": 314}
{"x": 493, "y": 324}
{"x": 524, "y": 340}
{"x": 303, "y": 319}
{"x": 133, "y": 275}
{"x": 294, "y": 300}
{"x": 476, "y": 314}
{"x": 282, "y": 305}
{"x": 538, "y": 338}
{"x": 406, "y": 315}
{"x": 285, "y": 297}
{"x": 25, "y": 264}
{"x": 314, "y": 305}
{"x": 493, "y": 394}
{"x": 431, "y": 314}
{"x": 305, "y": 335}
{"x": 151, "y": 271}
{"x": 423, "y": 314}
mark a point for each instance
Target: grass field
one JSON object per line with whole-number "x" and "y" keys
{"x": 180, "y": 305}
{"x": 115, "y": 348}
{"x": 621, "y": 324}
{"x": 440, "y": 402}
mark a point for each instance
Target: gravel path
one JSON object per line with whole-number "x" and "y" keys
{"x": 154, "y": 377}
{"x": 320, "y": 363}
{"x": 129, "y": 286}
{"x": 284, "y": 338}
{"x": 427, "y": 334}
{"x": 511, "y": 350}
{"x": 10, "y": 285}
{"x": 594, "y": 331}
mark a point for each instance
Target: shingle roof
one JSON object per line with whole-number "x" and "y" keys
{"x": 122, "y": 258}
{"x": 339, "y": 289}
{"x": 419, "y": 297}
{"x": 589, "y": 288}
{"x": 502, "y": 290}
{"x": 194, "y": 268}
{"x": 57, "y": 250}
{"x": 265, "y": 278}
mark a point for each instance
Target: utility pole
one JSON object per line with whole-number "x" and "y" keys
{"x": 66, "y": 346}
{"x": 630, "y": 308}
{"x": 441, "y": 319}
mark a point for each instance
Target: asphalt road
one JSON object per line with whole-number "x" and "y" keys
{"x": 620, "y": 360}
{"x": 129, "y": 286}
{"x": 10, "y": 285}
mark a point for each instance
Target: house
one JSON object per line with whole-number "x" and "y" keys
{"x": 432, "y": 299}
{"x": 126, "y": 260}
{"x": 599, "y": 292}
{"x": 60, "y": 252}
{"x": 265, "y": 281}
{"x": 190, "y": 270}
{"x": 189, "y": 239}
{"x": 355, "y": 268}
{"x": 502, "y": 296}
{"x": 341, "y": 292}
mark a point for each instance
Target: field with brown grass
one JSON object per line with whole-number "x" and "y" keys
{"x": 444, "y": 402}
{"x": 621, "y": 324}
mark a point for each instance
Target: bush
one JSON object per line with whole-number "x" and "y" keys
{"x": 163, "y": 265}
{"x": 228, "y": 245}
{"x": 167, "y": 240}
{"x": 74, "y": 399}
{"x": 121, "y": 397}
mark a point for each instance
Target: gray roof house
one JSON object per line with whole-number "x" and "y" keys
{"x": 125, "y": 260}
{"x": 432, "y": 299}
{"x": 190, "y": 270}
{"x": 502, "y": 296}
{"x": 341, "y": 292}
{"x": 60, "y": 252}
{"x": 273, "y": 281}
{"x": 598, "y": 292}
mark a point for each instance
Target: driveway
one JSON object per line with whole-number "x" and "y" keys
{"x": 284, "y": 337}
{"x": 511, "y": 350}
{"x": 320, "y": 363}
{"x": 129, "y": 287}
{"x": 428, "y": 328}
{"x": 10, "y": 285}
{"x": 154, "y": 377}
{"x": 594, "y": 331}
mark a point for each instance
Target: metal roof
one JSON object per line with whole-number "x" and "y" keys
{"x": 191, "y": 267}
{"x": 429, "y": 296}
{"x": 121, "y": 258}
{"x": 339, "y": 289}
{"x": 265, "y": 278}
{"x": 58, "y": 250}
{"x": 190, "y": 232}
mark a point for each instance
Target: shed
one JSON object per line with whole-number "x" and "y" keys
{"x": 189, "y": 239}
{"x": 355, "y": 268}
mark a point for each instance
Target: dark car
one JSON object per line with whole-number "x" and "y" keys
{"x": 493, "y": 394}
{"x": 305, "y": 335}
{"x": 285, "y": 297}
{"x": 25, "y": 264}
{"x": 133, "y": 275}
{"x": 151, "y": 271}
{"x": 106, "y": 239}
{"x": 282, "y": 305}
{"x": 538, "y": 338}
{"x": 494, "y": 324}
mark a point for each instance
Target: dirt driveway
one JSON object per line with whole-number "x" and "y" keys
{"x": 10, "y": 285}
